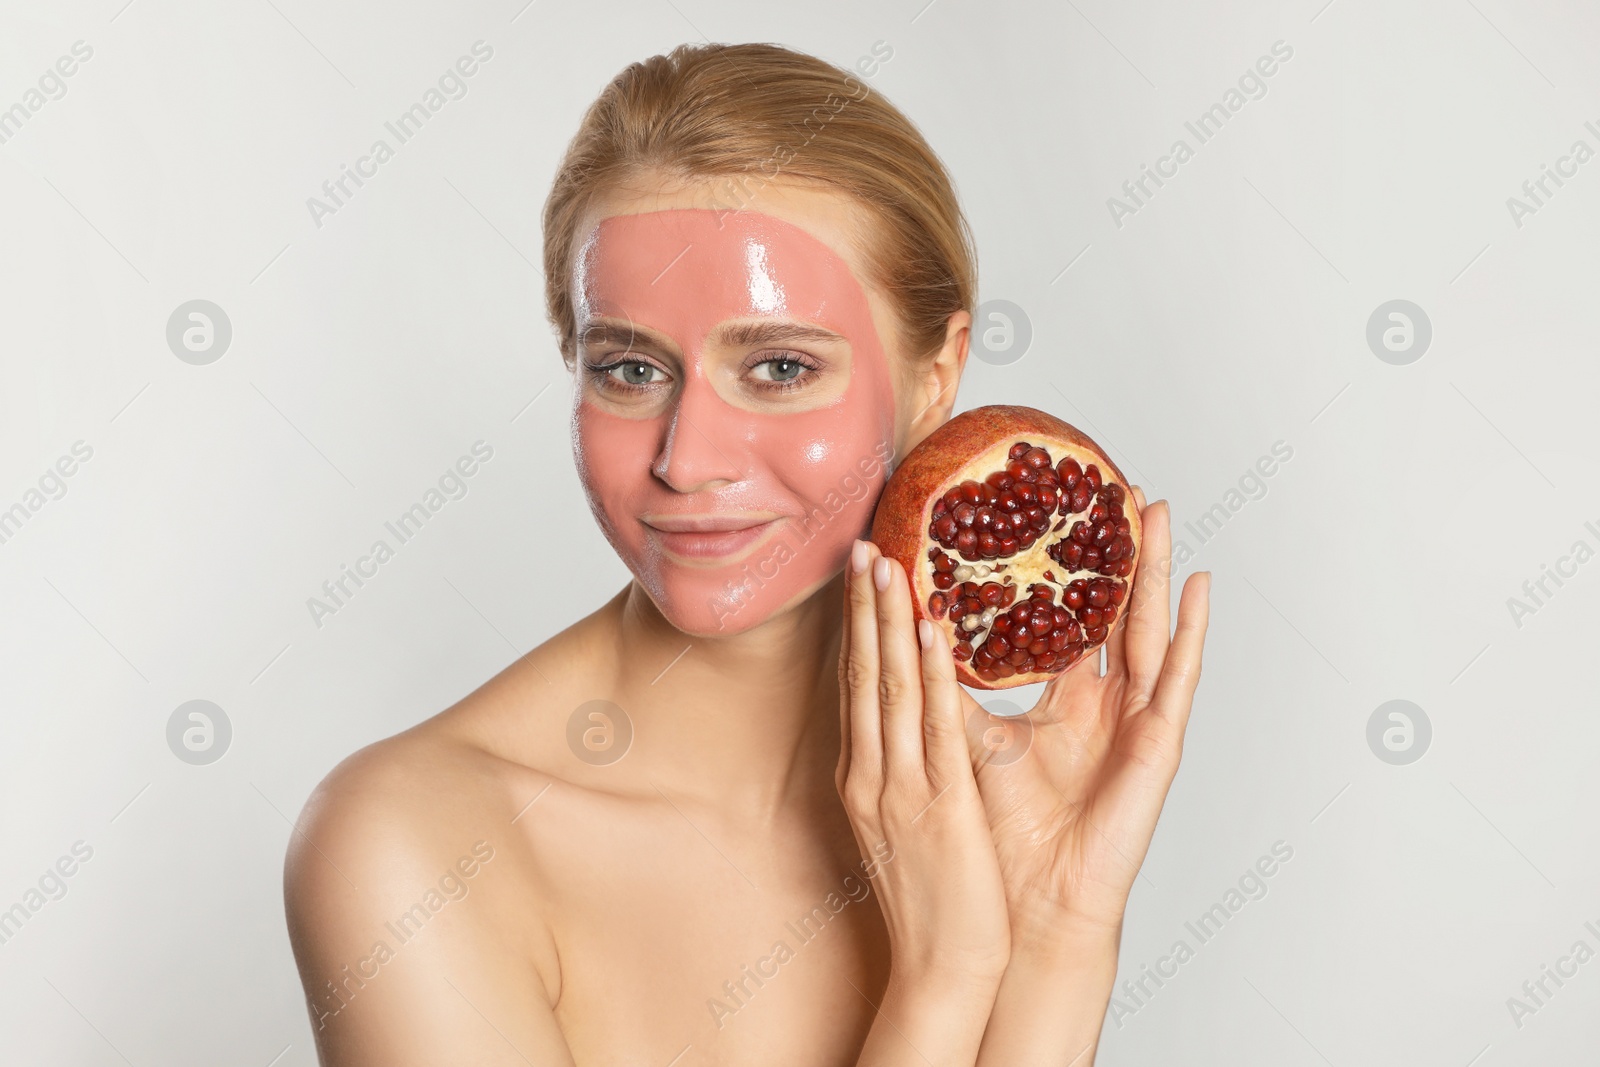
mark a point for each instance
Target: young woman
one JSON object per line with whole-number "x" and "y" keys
{"x": 733, "y": 816}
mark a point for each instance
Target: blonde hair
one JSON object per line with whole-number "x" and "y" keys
{"x": 752, "y": 113}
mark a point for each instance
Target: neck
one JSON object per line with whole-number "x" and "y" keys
{"x": 748, "y": 722}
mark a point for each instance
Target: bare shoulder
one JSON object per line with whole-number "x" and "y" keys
{"x": 401, "y": 801}
{"x": 420, "y": 900}
{"x": 430, "y": 794}
{"x": 412, "y": 901}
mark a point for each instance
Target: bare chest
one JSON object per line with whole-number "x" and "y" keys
{"x": 682, "y": 944}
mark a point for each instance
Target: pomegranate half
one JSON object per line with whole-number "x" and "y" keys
{"x": 1020, "y": 537}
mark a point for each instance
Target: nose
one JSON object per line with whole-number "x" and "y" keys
{"x": 702, "y": 444}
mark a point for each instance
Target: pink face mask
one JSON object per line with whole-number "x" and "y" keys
{"x": 729, "y": 467}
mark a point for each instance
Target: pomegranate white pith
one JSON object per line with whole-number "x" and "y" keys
{"x": 1025, "y": 543}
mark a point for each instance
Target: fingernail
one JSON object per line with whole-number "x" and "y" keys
{"x": 880, "y": 573}
{"x": 925, "y": 633}
{"x": 858, "y": 557}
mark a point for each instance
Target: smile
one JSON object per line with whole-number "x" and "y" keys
{"x": 709, "y": 540}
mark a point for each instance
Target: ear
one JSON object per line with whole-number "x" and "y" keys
{"x": 937, "y": 392}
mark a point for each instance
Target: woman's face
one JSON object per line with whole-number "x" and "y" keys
{"x": 735, "y": 416}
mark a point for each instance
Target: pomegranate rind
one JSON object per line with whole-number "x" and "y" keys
{"x": 947, "y": 456}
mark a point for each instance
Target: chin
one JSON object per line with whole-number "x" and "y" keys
{"x": 729, "y": 601}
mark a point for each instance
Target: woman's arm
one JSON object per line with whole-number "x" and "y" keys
{"x": 1052, "y": 1000}
{"x": 392, "y": 915}
{"x": 1073, "y": 817}
{"x": 907, "y": 784}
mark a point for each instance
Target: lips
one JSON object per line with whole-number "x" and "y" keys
{"x": 708, "y": 539}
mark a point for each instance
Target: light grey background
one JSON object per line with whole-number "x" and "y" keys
{"x": 1228, "y": 313}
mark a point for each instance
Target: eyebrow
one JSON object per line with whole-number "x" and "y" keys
{"x": 733, "y": 334}
{"x": 756, "y": 334}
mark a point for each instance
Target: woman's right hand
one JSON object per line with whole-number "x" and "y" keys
{"x": 906, "y": 779}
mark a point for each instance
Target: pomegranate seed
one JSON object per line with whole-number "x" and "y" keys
{"x": 966, "y": 542}
{"x": 943, "y": 580}
{"x": 1081, "y": 497}
{"x": 1097, "y": 634}
{"x": 1103, "y": 534}
{"x": 1099, "y": 594}
{"x": 945, "y": 529}
{"x": 1091, "y": 474}
{"x": 971, "y": 491}
{"x": 1118, "y": 591}
{"x": 942, "y": 562}
{"x": 1069, "y": 472}
{"x": 1002, "y": 624}
{"x": 1018, "y": 450}
{"x": 936, "y": 605}
{"x": 998, "y": 480}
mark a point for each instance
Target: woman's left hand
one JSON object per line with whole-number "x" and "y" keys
{"x": 1073, "y": 815}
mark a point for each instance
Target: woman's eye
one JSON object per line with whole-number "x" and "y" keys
{"x": 634, "y": 373}
{"x": 779, "y": 369}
